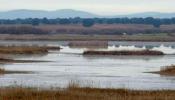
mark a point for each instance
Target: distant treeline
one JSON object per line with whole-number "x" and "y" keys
{"x": 88, "y": 22}
{"x": 88, "y": 26}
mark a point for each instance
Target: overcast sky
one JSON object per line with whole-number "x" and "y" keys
{"x": 102, "y": 7}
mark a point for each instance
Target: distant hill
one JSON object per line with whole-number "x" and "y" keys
{"x": 67, "y": 13}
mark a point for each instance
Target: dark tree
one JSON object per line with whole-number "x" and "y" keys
{"x": 64, "y": 21}
{"x": 35, "y": 22}
{"x": 156, "y": 24}
{"x": 45, "y": 21}
{"x": 88, "y": 22}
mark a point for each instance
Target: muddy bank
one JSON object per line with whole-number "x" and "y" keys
{"x": 7, "y": 60}
{"x": 26, "y": 49}
{"x": 143, "y": 52}
{"x": 88, "y": 44}
{"x": 166, "y": 70}
{"x": 3, "y": 71}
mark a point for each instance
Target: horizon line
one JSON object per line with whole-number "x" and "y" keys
{"x": 86, "y": 11}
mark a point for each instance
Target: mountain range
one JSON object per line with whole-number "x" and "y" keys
{"x": 67, "y": 13}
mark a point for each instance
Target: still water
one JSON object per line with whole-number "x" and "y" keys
{"x": 69, "y": 65}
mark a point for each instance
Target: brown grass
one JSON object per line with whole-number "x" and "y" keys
{"x": 26, "y": 49}
{"x": 143, "y": 52}
{"x": 88, "y": 44}
{"x": 77, "y": 93}
{"x": 78, "y": 37}
{"x": 167, "y": 70}
{"x": 2, "y": 70}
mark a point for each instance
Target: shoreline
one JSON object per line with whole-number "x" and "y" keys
{"x": 4, "y": 72}
{"x": 166, "y": 71}
{"x": 27, "y": 49}
{"x": 78, "y": 37}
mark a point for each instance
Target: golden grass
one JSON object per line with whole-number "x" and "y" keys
{"x": 77, "y": 93}
{"x": 143, "y": 52}
{"x": 26, "y": 49}
{"x": 167, "y": 70}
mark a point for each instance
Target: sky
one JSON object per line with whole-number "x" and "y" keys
{"x": 101, "y": 7}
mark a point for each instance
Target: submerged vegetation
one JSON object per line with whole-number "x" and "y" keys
{"x": 167, "y": 70}
{"x": 125, "y": 52}
{"x": 77, "y": 93}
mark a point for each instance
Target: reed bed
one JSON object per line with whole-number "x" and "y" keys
{"x": 78, "y": 93}
{"x": 167, "y": 70}
{"x": 26, "y": 49}
{"x": 125, "y": 52}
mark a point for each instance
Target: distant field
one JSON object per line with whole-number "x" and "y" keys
{"x": 113, "y": 32}
{"x": 107, "y": 29}
{"x": 76, "y": 37}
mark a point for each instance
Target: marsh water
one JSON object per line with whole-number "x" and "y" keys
{"x": 69, "y": 65}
